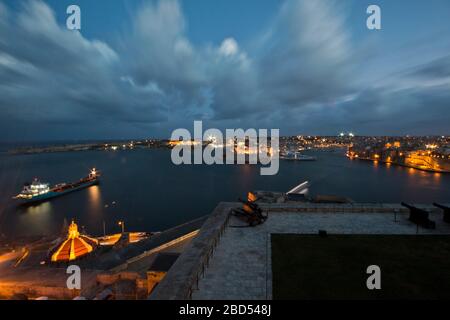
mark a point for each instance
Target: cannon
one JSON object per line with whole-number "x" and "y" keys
{"x": 419, "y": 216}
{"x": 250, "y": 213}
{"x": 446, "y": 211}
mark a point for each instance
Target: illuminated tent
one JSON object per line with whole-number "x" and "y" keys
{"x": 75, "y": 246}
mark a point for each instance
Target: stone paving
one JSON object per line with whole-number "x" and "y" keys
{"x": 240, "y": 267}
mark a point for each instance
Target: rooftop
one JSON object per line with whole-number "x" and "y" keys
{"x": 227, "y": 261}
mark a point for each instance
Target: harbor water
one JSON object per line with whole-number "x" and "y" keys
{"x": 143, "y": 188}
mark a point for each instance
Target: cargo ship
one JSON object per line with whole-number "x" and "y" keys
{"x": 37, "y": 191}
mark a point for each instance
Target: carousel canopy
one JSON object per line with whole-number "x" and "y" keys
{"x": 75, "y": 246}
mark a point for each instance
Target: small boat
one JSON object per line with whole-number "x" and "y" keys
{"x": 290, "y": 155}
{"x": 37, "y": 191}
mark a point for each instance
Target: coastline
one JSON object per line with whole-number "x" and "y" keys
{"x": 100, "y": 146}
{"x": 400, "y": 165}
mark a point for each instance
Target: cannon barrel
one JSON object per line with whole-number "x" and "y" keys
{"x": 446, "y": 211}
{"x": 441, "y": 206}
{"x": 411, "y": 207}
{"x": 252, "y": 205}
{"x": 419, "y": 216}
{"x": 407, "y": 205}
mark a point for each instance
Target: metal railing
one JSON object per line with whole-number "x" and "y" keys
{"x": 204, "y": 263}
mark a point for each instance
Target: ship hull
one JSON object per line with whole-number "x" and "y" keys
{"x": 54, "y": 194}
{"x": 299, "y": 159}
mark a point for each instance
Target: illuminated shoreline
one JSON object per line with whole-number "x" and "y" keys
{"x": 400, "y": 165}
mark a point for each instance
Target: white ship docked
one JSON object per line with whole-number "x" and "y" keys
{"x": 297, "y": 156}
{"x": 34, "y": 189}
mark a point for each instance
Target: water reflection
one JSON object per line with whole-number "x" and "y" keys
{"x": 38, "y": 209}
{"x": 246, "y": 175}
{"x": 95, "y": 199}
{"x": 36, "y": 218}
{"x": 375, "y": 164}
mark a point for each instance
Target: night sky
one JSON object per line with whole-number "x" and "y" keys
{"x": 141, "y": 69}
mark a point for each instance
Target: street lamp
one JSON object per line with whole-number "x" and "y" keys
{"x": 122, "y": 224}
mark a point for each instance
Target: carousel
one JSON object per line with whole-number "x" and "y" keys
{"x": 74, "y": 247}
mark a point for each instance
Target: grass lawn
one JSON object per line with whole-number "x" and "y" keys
{"x": 334, "y": 267}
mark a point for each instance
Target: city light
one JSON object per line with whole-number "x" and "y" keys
{"x": 122, "y": 224}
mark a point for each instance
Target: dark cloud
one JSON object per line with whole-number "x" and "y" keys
{"x": 306, "y": 55}
{"x": 301, "y": 74}
{"x": 158, "y": 55}
{"x": 439, "y": 68}
{"x": 50, "y": 75}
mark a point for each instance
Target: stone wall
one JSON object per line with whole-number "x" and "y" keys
{"x": 184, "y": 274}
